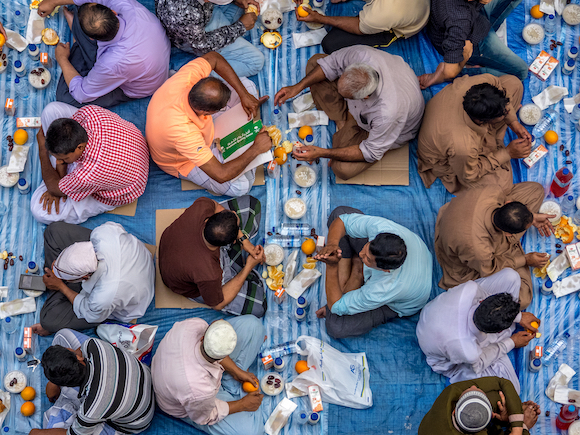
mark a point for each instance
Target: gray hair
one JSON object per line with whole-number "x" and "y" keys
{"x": 359, "y": 80}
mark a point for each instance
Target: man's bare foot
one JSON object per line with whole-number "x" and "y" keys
{"x": 427, "y": 80}
{"x": 39, "y": 330}
{"x": 321, "y": 312}
{"x": 68, "y": 15}
{"x": 340, "y": 124}
{"x": 52, "y": 392}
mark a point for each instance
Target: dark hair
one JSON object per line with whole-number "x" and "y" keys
{"x": 209, "y": 94}
{"x": 221, "y": 229}
{"x": 513, "y": 218}
{"x": 485, "y": 102}
{"x": 496, "y": 313}
{"x": 61, "y": 367}
{"x": 389, "y": 250}
{"x": 64, "y": 135}
{"x": 98, "y": 21}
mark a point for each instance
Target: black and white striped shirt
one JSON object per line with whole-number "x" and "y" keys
{"x": 118, "y": 391}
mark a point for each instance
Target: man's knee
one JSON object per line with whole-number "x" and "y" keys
{"x": 329, "y": 43}
{"x": 54, "y": 229}
{"x": 313, "y": 62}
{"x": 335, "y": 327}
{"x": 343, "y": 170}
{"x": 48, "y": 322}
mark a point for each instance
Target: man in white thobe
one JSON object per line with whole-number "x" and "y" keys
{"x": 468, "y": 331}
{"x": 116, "y": 271}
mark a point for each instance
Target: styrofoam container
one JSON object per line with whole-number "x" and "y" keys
{"x": 533, "y": 34}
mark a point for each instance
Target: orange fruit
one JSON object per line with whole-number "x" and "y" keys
{"x": 551, "y": 137}
{"x": 567, "y": 235}
{"x": 27, "y": 409}
{"x": 302, "y": 13}
{"x": 308, "y": 246}
{"x": 2, "y": 40}
{"x": 20, "y": 137}
{"x": 301, "y": 366}
{"x": 309, "y": 265}
{"x": 248, "y": 387}
{"x": 304, "y": 131}
{"x": 28, "y": 393}
{"x": 49, "y": 36}
{"x": 535, "y": 12}
{"x": 280, "y": 156}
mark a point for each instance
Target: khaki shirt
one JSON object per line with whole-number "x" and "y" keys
{"x": 404, "y": 17}
{"x": 456, "y": 150}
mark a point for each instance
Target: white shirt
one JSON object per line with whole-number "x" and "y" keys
{"x": 122, "y": 287}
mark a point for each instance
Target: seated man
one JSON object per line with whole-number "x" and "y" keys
{"x": 463, "y": 32}
{"x": 382, "y": 111}
{"x": 92, "y": 161}
{"x": 379, "y": 24}
{"x": 376, "y": 270}
{"x": 461, "y": 140}
{"x": 470, "y": 407}
{"x": 180, "y": 129}
{"x": 120, "y": 52}
{"x": 201, "y": 258}
{"x": 467, "y": 331}
{"x": 478, "y": 234}
{"x": 96, "y": 275}
{"x": 188, "y": 379}
{"x": 114, "y": 392}
{"x": 214, "y": 25}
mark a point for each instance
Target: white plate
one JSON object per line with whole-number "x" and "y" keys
{"x": 571, "y": 15}
{"x": 33, "y": 293}
{"x": 35, "y": 80}
{"x": 21, "y": 381}
{"x": 530, "y": 114}
{"x": 315, "y": 26}
{"x": 533, "y": 34}
{"x": 269, "y": 389}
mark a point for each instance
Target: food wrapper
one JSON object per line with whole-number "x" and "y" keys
{"x": 558, "y": 266}
{"x": 290, "y": 268}
{"x": 15, "y": 41}
{"x": 307, "y": 39}
{"x": 550, "y": 95}
{"x": 562, "y": 377}
{"x": 5, "y": 397}
{"x": 279, "y": 417}
{"x": 563, "y": 395}
{"x": 303, "y": 102}
{"x": 17, "y": 306}
{"x": 18, "y": 159}
{"x": 3, "y": 292}
{"x": 566, "y": 286}
{"x": 547, "y": 7}
{"x": 569, "y": 103}
{"x": 283, "y": 5}
{"x": 302, "y": 281}
{"x": 35, "y": 27}
{"x": 310, "y": 117}
{"x": 293, "y": 392}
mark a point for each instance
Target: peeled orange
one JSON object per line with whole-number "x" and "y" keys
{"x": 280, "y": 156}
{"x": 302, "y": 13}
{"x": 551, "y": 137}
{"x": 20, "y": 137}
{"x": 304, "y": 130}
{"x": 49, "y": 36}
{"x": 535, "y": 12}
{"x": 248, "y": 387}
{"x": 308, "y": 246}
{"x": 2, "y": 40}
{"x": 28, "y": 393}
{"x": 301, "y": 366}
{"x": 27, "y": 409}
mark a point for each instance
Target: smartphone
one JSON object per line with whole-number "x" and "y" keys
{"x": 31, "y": 282}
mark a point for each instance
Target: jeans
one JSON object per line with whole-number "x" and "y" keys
{"x": 245, "y": 59}
{"x": 491, "y": 54}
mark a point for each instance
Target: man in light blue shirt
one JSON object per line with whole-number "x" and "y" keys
{"x": 376, "y": 270}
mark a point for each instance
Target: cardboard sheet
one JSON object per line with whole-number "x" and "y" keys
{"x": 392, "y": 170}
{"x": 164, "y": 297}
{"x": 259, "y": 181}
{"x": 125, "y": 210}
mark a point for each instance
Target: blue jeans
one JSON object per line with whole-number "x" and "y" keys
{"x": 492, "y": 54}
{"x": 250, "y": 333}
{"x": 245, "y": 59}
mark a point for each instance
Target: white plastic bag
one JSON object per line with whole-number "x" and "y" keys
{"x": 134, "y": 339}
{"x": 343, "y": 378}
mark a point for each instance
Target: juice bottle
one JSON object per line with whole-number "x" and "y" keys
{"x": 568, "y": 414}
{"x": 561, "y": 182}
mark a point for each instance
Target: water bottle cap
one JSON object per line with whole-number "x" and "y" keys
{"x": 566, "y": 335}
{"x": 309, "y": 138}
{"x": 549, "y": 283}
{"x": 17, "y": 80}
{"x": 8, "y": 320}
{"x": 571, "y": 408}
{"x": 17, "y": 13}
{"x": 303, "y": 415}
{"x": 536, "y": 363}
{"x": 19, "y": 351}
{"x": 6, "y": 428}
{"x": 276, "y": 111}
{"x": 300, "y": 311}
{"x": 551, "y": 17}
{"x": 31, "y": 265}
{"x": 573, "y": 50}
{"x": 571, "y": 62}
{"x": 278, "y": 361}
{"x": 570, "y": 198}
{"x": 17, "y": 63}
{"x": 21, "y": 181}
{"x": 301, "y": 300}
{"x": 314, "y": 416}
{"x": 32, "y": 47}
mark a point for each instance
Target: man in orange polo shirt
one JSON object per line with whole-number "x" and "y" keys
{"x": 180, "y": 130}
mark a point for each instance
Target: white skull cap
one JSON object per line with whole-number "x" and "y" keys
{"x": 220, "y": 340}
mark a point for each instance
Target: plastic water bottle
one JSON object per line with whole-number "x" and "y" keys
{"x": 281, "y": 350}
{"x": 20, "y": 354}
{"x": 300, "y": 314}
{"x": 561, "y": 182}
{"x": 21, "y": 86}
{"x": 575, "y": 116}
{"x": 555, "y": 347}
{"x": 19, "y": 68}
{"x": 535, "y": 365}
{"x": 9, "y": 325}
{"x": 23, "y": 186}
{"x": 277, "y": 116}
{"x": 548, "y": 287}
{"x": 545, "y": 123}
{"x": 568, "y": 205}
{"x": 568, "y": 67}
{"x": 301, "y": 302}
{"x": 309, "y": 140}
{"x": 32, "y": 267}
{"x": 301, "y": 417}
{"x": 314, "y": 418}
{"x": 568, "y": 414}
{"x": 34, "y": 52}
{"x": 20, "y": 19}
{"x": 279, "y": 364}
{"x": 295, "y": 229}
{"x": 285, "y": 241}
{"x": 550, "y": 25}
{"x": 572, "y": 53}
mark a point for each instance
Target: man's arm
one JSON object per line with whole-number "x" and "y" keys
{"x": 348, "y": 24}
{"x": 346, "y": 154}
{"x": 53, "y": 283}
{"x": 50, "y": 175}
{"x": 284, "y": 94}
{"x": 47, "y": 432}
{"x": 445, "y": 71}
{"x": 46, "y": 7}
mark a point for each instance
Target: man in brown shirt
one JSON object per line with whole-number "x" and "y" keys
{"x": 461, "y": 140}
{"x": 478, "y": 234}
{"x": 200, "y": 255}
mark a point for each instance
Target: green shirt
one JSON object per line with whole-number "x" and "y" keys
{"x": 439, "y": 418}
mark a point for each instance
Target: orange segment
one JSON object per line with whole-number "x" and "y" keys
{"x": 49, "y": 36}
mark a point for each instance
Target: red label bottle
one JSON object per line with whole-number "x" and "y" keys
{"x": 561, "y": 182}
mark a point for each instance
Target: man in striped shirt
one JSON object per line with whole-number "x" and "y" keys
{"x": 115, "y": 388}
{"x": 92, "y": 161}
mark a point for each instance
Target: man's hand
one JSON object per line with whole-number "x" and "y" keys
{"x": 531, "y": 413}
{"x": 519, "y": 148}
{"x": 285, "y": 94}
{"x": 248, "y": 20}
{"x": 503, "y": 414}
{"x": 62, "y": 51}
{"x": 329, "y": 254}
{"x": 252, "y": 401}
{"x": 537, "y": 259}
{"x": 262, "y": 142}
{"x": 46, "y": 7}
{"x": 3, "y": 32}
{"x": 256, "y": 252}
{"x": 51, "y": 281}
{"x": 467, "y": 50}
{"x": 321, "y": 312}
{"x": 527, "y": 319}
{"x": 522, "y": 338}
{"x": 521, "y": 131}
{"x": 244, "y": 376}
{"x": 312, "y": 17}
{"x": 243, "y": 4}
{"x": 252, "y": 105}
{"x": 47, "y": 200}
{"x": 543, "y": 224}
{"x": 307, "y": 153}
{"x": 258, "y": 259}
